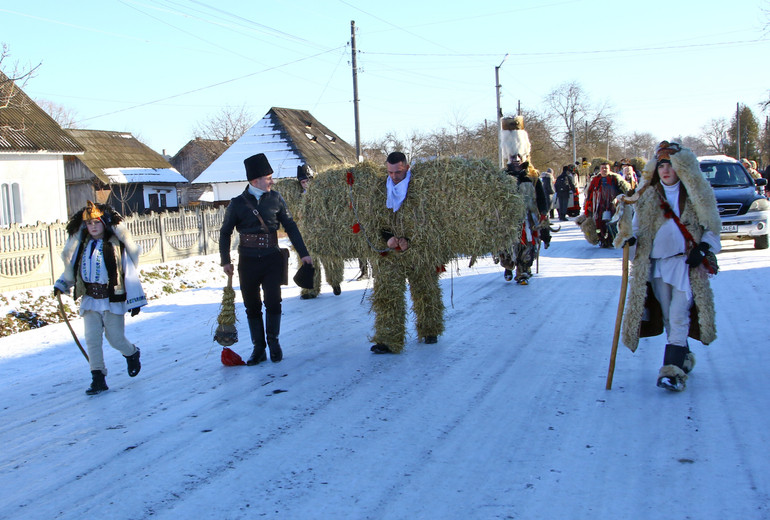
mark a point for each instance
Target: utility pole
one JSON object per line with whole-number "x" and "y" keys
{"x": 499, "y": 112}
{"x": 572, "y": 129}
{"x": 355, "y": 88}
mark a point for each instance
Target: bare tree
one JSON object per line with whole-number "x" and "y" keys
{"x": 11, "y": 83}
{"x": 227, "y": 125}
{"x": 572, "y": 113}
{"x": 714, "y": 134}
{"x": 63, "y": 116}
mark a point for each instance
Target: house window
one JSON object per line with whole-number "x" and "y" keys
{"x": 157, "y": 201}
{"x": 10, "y": 197}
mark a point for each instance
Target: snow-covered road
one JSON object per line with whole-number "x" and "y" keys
{"x": 506, "y": 417}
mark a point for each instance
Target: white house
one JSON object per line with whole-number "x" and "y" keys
{"x": 32, "y": 150}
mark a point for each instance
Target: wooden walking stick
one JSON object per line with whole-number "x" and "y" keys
{"x": 67, "y": 321}
{"x": 619, "y": 317}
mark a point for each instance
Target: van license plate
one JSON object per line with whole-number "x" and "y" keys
{"x": 733, "y": 228}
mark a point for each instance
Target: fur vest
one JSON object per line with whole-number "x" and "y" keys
{"x": 121, "y": 258}
{"x": 698, "y": 212}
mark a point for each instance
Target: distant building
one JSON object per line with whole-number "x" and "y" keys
{"x": 289, "y": 138}
{"x": 32, "y": 151}
{"x": 118, "y": 169}
{"x": 191, "y": 160}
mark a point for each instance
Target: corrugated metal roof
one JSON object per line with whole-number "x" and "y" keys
{"x": 289, "y": 138}
{"x": 118, "y": 151}
{"x": 27, "y": 128}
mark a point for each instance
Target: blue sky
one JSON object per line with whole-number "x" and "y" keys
{"x": 158, "y": 67}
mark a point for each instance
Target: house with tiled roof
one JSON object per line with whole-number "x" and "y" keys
{"x": 32, "y": 151}
{"x": 118, "y": 169}
{"x": 289, "y": 138}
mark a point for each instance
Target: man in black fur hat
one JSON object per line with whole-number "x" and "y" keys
{"x": 256, "y": 214}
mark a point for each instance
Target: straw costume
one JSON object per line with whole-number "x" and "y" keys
{"x": 334, "y": 267}
{"x": 452, "y": 207}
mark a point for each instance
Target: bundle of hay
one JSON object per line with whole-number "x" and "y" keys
{"x": 454, "y": 207}
{"x": 226, "y": 333}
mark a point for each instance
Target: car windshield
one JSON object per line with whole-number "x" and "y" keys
{"x": 723, "y": 175}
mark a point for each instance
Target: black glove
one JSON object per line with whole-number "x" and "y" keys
{"x": 56, "y": 292}
{"x": 698, "y": 253}
{"x": 631, "y": 242}
{"x": 135, "y": 311}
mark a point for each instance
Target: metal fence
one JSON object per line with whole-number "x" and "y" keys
{"x": 30, "y": 256}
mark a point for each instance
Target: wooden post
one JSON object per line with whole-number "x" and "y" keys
{"x": 619, "y": 317}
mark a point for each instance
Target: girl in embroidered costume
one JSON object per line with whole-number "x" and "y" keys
{"x": 675, "y": 226}
{"x": 100, "y": 260}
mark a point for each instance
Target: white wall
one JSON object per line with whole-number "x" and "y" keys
{"x": 172, "y": 200}
{"x": 228, "y": 190}
{"x": 41, "y": 179}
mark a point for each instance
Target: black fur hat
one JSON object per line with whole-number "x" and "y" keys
{"x": 257, "y": 166}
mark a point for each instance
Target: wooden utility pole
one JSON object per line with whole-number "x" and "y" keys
{"x": 355, "y": 88}
{"x": 500, "y": 159}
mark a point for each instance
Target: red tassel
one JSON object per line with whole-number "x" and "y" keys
{"x": 231, "y": 358}
{"x": 356, "y": 227}
{"x": 350, "y": 178}
{"x": 441, "y": 269}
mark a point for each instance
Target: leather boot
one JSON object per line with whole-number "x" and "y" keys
{"x": 98, "y": 384}
{"x": 133, "y": 364}
{"x": 257, "y": 331}
{"x": 273, "y": 330}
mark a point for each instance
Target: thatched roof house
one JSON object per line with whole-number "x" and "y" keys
{"x": 122, "y": 171}
{"x": 289, "y": 138}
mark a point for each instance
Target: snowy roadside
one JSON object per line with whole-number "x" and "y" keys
{"x": 33, "y": 308}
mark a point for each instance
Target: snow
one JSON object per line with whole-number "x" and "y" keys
{"x": 506, "y": 417}
{"x": 128, "y": 175}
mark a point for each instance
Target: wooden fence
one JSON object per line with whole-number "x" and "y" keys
{"x": 30, "y": 256}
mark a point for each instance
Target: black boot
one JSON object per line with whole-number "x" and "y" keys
{"x": 133, "y": 364}
{"x": 273, "y": 330}
{"x": 98, "y": 384}
{"x": 257, "y": 331}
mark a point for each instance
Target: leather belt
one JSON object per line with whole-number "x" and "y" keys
{"x": 263, "y": 240}
{"x": 98, "y": 290}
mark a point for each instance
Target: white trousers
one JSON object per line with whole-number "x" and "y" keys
{"x": 675, "y": 305}
{"x": 112, "y": 326}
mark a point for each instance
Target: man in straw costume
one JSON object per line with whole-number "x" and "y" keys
{"x": 516, "y": 146}
{"x": 293, "y": 192}
{"x": 391, "y": 273}
{"x": 256, "y": 214}
{"x": 100, "y": 261}
{"x": 675, "y": 227}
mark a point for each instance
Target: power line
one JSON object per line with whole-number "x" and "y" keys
{"x": 204, "y": 88}
{"x": 572, "y": 53}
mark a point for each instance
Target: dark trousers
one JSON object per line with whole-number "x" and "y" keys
{"x": 261, "y": 273}
{"x": 564, "y": 200}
